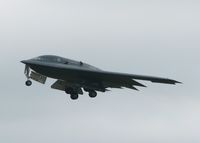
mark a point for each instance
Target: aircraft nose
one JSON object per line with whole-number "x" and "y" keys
{"x": 29, "y": 62}
{"x": 24, "y": 62}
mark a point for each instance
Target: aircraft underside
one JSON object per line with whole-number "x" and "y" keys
{"x": 71, "y": 87}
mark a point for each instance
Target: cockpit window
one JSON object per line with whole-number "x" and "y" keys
{"x": 37, "y": 58}
{"x": 49, "y": 59}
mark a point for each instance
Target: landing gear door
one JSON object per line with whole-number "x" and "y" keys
{"x": 59, "y": 84}
{"x": 38, "y": 77}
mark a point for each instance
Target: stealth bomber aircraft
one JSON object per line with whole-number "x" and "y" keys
{"x": 74, "y": 77}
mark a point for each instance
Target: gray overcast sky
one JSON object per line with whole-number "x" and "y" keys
{"x": 151, "y": 37}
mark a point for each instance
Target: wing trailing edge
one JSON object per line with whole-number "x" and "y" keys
{"x": 132, "y": 87}
{"x": 138, "y": 84}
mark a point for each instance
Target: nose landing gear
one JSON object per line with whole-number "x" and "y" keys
{"x": 28, "y": 83}
{"x": 27, "y": 74}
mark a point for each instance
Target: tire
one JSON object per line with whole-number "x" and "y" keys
{"x": 92, "y": 94}
{"x": 74, "y": 96}
{"x": 28, "y": 83}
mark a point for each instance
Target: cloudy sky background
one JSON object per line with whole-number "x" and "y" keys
{"x": 150, "y": 37}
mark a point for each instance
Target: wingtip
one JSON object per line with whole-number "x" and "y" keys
{"x": 178, "y": 82}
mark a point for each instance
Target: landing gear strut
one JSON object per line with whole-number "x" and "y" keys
{"x": 27, "y": 73}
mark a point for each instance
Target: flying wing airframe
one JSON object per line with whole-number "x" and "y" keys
{"x": 74, "y": 77}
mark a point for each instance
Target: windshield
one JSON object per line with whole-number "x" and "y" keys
{"x": 49, "y": 58}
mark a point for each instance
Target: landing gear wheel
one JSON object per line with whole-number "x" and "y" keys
{"x": 92, "y": 94}
{"x": 74, "y": 96}
{"x": 28, "y": 83}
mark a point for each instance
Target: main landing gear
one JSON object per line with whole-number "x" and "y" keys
{"x": 71, "y": 91}
{"x": 74, "y": 94}
{"x": 91, "y": 93}
{"x": 27, "y": 74}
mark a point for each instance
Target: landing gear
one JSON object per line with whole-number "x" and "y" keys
{"x": 75, "y": 92}
{"x": 28, "y": 83}
{"x": 92, "y": 93}
{"x": 69, "y": 90}
{"x": 74, "y": 96}
{"x": 27, "y": 73}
